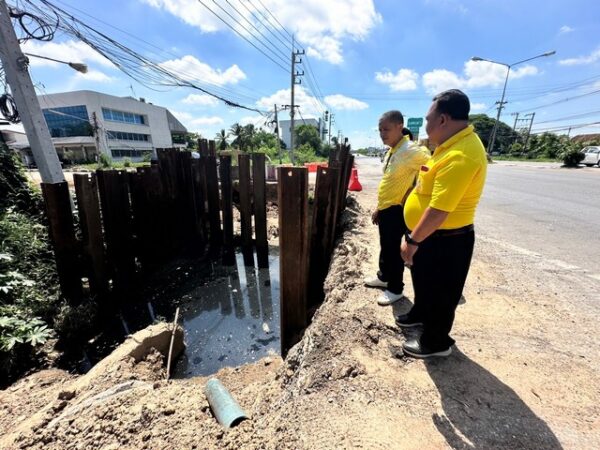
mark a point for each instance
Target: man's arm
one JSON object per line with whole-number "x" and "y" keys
{"x": 431, "y": 220}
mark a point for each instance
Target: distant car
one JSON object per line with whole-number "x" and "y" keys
{"x": 592, "y": 156}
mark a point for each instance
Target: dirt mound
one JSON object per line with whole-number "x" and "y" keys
{"x": 346, "y": 385}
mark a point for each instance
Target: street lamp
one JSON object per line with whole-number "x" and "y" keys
{"x": 79, "y": 67}
{"x": 501, "y": 105}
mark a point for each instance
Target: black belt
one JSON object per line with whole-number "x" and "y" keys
{"x": 453, "y": 231}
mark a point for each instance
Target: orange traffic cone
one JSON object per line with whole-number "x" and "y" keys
{"x": 354, "y": 183}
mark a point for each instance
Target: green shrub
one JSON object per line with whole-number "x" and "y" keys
{"x": 126, "y": 162}
{"x": 571, "y": 156}
{"x": 104, "y": 161}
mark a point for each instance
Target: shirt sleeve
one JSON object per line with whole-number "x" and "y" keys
{"x": 418, "y": 156}
{"x": 451, "y": 182}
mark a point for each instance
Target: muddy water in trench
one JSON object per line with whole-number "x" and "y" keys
{"x": 231, "y": 320}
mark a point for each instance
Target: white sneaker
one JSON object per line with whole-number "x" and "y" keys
{"x": 375, "y": 282}
{"x": 387, "y": 298}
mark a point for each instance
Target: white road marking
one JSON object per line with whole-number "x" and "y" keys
{"x": 552, "y": 264}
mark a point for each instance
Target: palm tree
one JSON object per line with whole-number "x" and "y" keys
{"x": 237, "y": 131}
{"x": 221, "y": 138}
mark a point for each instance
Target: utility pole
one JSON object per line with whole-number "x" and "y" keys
{"x": 532, "y": 115}
{"x": 15, "y": 65}
{"x": 516, "y": 120}
{"x": 276, "y": 121}
{"x": 500, "y": 104}
{"x": 295, "y": 80}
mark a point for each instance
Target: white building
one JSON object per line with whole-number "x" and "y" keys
{"x": 85, "y": 123}
{"x": 285, "y": 126}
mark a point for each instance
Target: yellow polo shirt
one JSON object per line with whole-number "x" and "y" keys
{"x": 451, "y": 181}
{"x": 400, "y": 167}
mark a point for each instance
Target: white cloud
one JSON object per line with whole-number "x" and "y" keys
{"x": 478, "y": 106}
{"x": 477, "y": 74}
{"x": 69, "y": 51}
{"x": 340, "y": 102}
{"x": 439, "y": 80}
{"x": 589, "y": 59}
{"x": 206, "y": 121}
{"x": 200, "y": 99}
{"x": 182, "y": 116}
{"x": 484, "y": 73}
{"x": 94, "y": 75}
{"x": 322, "y": 28}
{"x": 565, "y": 29}
{"x": 191, "y": 68}
{"x": 403, "y": 80}
{"x": 307, "y": 103}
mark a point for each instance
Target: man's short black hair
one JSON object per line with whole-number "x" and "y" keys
{"x": 407, "y": 132}
{"x": 394, "y": 116}
{"x": 453, "y": 102}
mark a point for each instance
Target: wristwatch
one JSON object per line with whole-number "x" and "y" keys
{"x": 411, "y": 241}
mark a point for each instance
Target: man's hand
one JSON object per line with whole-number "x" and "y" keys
{"x": 407, "y": 251}
{"x": 375, "y": 217}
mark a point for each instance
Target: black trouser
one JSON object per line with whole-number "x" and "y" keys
{"x": 391, "y": 230}
{"x": 439, "y": 271}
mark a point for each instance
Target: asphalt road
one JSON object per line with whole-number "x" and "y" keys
{"x": 540, "y": 210}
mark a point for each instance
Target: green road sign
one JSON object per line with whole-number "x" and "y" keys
{"x": 414, "y": 122}
{"x": 413, "y": 129}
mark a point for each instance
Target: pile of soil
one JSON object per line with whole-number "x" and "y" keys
{"x": 514, "y": 380}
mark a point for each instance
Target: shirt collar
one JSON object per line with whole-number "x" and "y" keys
{"x": 455, "y": 138}
{"x": 395, "y": 148}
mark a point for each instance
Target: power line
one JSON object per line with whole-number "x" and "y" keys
{"x": 267, "y": 26}
{"x": 240, "y": 34}
{"x": 256, "y": 28}
{"x": 575, "y": 116}
{"x": 561, "y": 101}
{"x": 275, "y": 18}
{"x": 214, "y": 86}
{"x": 138, "y": 67}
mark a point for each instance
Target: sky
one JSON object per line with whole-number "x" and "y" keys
{"x": 361, "y": 58}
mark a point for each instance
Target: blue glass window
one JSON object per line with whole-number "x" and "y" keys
{"x": 67, "y": 121}
{"x": 122, "y": 116}
{"x": 125, "y": 136}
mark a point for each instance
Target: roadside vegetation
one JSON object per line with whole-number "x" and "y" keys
{"x": 514, "y": 145}
{"x": 29, "y": 298}
{"x": 243, "y": 138}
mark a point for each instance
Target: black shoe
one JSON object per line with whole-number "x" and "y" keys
{"x": 416, "y": 350}
{"x": 405, "y": 321}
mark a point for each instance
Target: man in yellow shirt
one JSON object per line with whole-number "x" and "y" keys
{"x": 439, "y": 215}
{"x": 400, "y": 167}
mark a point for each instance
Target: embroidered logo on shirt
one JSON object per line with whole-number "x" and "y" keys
{"x": 424, "y": 169}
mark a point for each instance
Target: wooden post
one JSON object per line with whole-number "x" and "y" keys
{"x": 259, "y": 188}
{"x": 321, "y": 232}
{"x": 293, "y": 250}
{"x": 214, "y": 212}
{"x": 227, "y": 203}
{"x": 62, "y": 235}
{"x": 246, "y": 208}
{"x": 346, "y": 181}
{"x": 199, "y": 181}
{"x": 116, "y": 216}
{"x": 88, "y": 205}
{"x": 336, "y": 198}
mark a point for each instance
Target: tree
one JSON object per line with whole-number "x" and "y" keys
{"x": 237, "y": 131}
{"x": 221, "y": 139}
{"x": 308, "y": 134}
{"x": 242, "y": 136}
{"x": 505, "y": 135}
{"x": 191, "y": 140}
